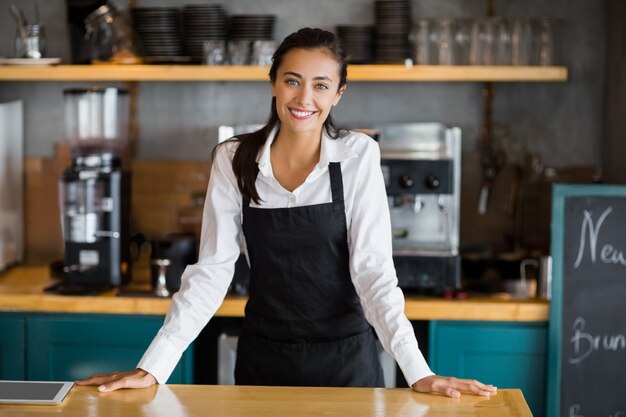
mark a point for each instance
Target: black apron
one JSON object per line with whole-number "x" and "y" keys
{"x": 304, "y": 325}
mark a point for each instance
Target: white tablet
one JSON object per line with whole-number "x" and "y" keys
{"x": 33, "y": 392}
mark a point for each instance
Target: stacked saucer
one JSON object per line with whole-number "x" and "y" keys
{"x": 357, "y": 42}
{"x": 158, "y": 30}
{"x": 203, "y": 22}
{"x": 252, "y": 27}
{"x": 393, "y": 25}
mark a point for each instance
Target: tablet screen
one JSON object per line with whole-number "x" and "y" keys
{"x": 33, "y": 391}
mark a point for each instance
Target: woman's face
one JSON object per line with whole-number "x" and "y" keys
{"x": 306, "y": 88}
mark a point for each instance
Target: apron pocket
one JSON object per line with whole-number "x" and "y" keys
{"x": 348, "y": 362}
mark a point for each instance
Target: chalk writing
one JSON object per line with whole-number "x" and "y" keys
{"x": 574, "y": 410}
{"x": 585, "y": 343}
{"x": 609, "y": 254}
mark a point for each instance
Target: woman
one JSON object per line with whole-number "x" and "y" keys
{"x": 309, "y": 201}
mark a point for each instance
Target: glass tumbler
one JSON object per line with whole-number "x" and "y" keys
{"x": 445, "y": 41}
{"x": 502, "y": 41}
{"x": 544, "y": 42}
{"x": 239, "y": 52}
{"x": 483, "y": 41}
{"x": 420, "y": 37}
{"x": 521, "y": 41}
{"x": 262, "y": 52}
{"x": 214, "y": 52}
{"x": 462, "y": 39}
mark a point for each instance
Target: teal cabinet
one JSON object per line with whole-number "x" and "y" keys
{"x": 12, "y": 347}
{"x": 507, "y": 355}
{"x": 70, "y": 347}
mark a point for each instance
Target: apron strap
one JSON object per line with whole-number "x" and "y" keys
{"x": 336, "y": 184}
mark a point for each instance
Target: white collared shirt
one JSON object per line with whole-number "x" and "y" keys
{"x": 204, "y": 285}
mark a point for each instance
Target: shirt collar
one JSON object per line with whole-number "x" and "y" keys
{"x": 332, "y": 150}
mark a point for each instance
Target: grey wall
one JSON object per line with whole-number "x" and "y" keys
{"x": 562, "y": 122}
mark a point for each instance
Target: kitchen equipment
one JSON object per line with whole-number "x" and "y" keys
{"x": 96, "y": 121}
{"x": 94, "y": 191}
{"x": 544, "y": 283}
{"x": 160, "y": 288}
{"x": 11, "y": 184}
{"x": 421, "y": 165}
{"x": 111, "y": 37}
{"x": 169, "y": 256}
{"x": 524, "y": 286}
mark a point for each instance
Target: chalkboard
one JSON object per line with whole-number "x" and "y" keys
{"x": 587, "y": 353}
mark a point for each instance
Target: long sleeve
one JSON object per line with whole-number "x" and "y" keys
{"x": 372, "y": 269}
{"x": 203, "y": 285}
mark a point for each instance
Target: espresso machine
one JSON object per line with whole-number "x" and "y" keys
{"x": 421, "y": 164}
{"x": 94, "y": 192}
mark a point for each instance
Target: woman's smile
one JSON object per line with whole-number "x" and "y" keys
{"x": 301, "y": 114}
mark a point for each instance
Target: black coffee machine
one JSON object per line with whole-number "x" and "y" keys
{"x": 94, "y": 192}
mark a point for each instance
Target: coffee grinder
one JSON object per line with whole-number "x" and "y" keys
{"x": 94, "y": 192}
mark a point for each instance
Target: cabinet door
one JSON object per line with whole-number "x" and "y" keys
{"x": 71, "y": 347}
{"x": 507, "y": 355}
{"x": 12, "y": 347}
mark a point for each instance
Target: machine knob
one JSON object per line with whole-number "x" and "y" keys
{"x": 406, "y": 182}
{"x": 432, "y": 182}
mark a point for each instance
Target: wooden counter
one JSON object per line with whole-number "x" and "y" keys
{"x": 21, "y": 289}
{"x": 235, "y": 401}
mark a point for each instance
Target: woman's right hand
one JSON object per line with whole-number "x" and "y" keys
{"x": 137, "y": 378}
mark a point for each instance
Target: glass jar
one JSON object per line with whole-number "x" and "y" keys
{"x": 30, "y": 42}
{"x": 111, "y": 38}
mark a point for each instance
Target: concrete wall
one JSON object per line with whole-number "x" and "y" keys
{"x": 562, "y": 122}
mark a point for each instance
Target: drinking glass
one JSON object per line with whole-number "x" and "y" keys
{"x": 420, "y": 37}
{"x": 462, "y": 38}
{"x": 483, "y": 41}
{"x": 521, "y": 41}
{"x": 262, "y": 52}
{"x": 502, "y": 42}
{"x": 445, "y": 41}
{"x": 544, "y": 42}
{"x": 239, "y": 52}
{"x": 214, "y": 52}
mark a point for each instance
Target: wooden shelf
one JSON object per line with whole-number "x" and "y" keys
{"x": 364, "y": 73}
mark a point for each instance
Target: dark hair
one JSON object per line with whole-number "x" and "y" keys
{"x": 244, "y": 161}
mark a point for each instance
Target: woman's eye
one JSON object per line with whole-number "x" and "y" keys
{"x": 292, "y": 82}
{"x": 321, "y": 87}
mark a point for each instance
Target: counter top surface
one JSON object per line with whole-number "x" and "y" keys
{"x": 242, "y": 401}
{"x": 21, "y": 289}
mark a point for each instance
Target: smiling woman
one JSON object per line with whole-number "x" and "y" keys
{"x": 309, "y": 201}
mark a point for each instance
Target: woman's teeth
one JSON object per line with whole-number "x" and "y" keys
{"x": 301, "y": 114}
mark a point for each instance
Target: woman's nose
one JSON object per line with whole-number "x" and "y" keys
{"x": 305, "y": 95}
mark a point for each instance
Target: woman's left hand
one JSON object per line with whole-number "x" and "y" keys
{"x": 452, "y": 387}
